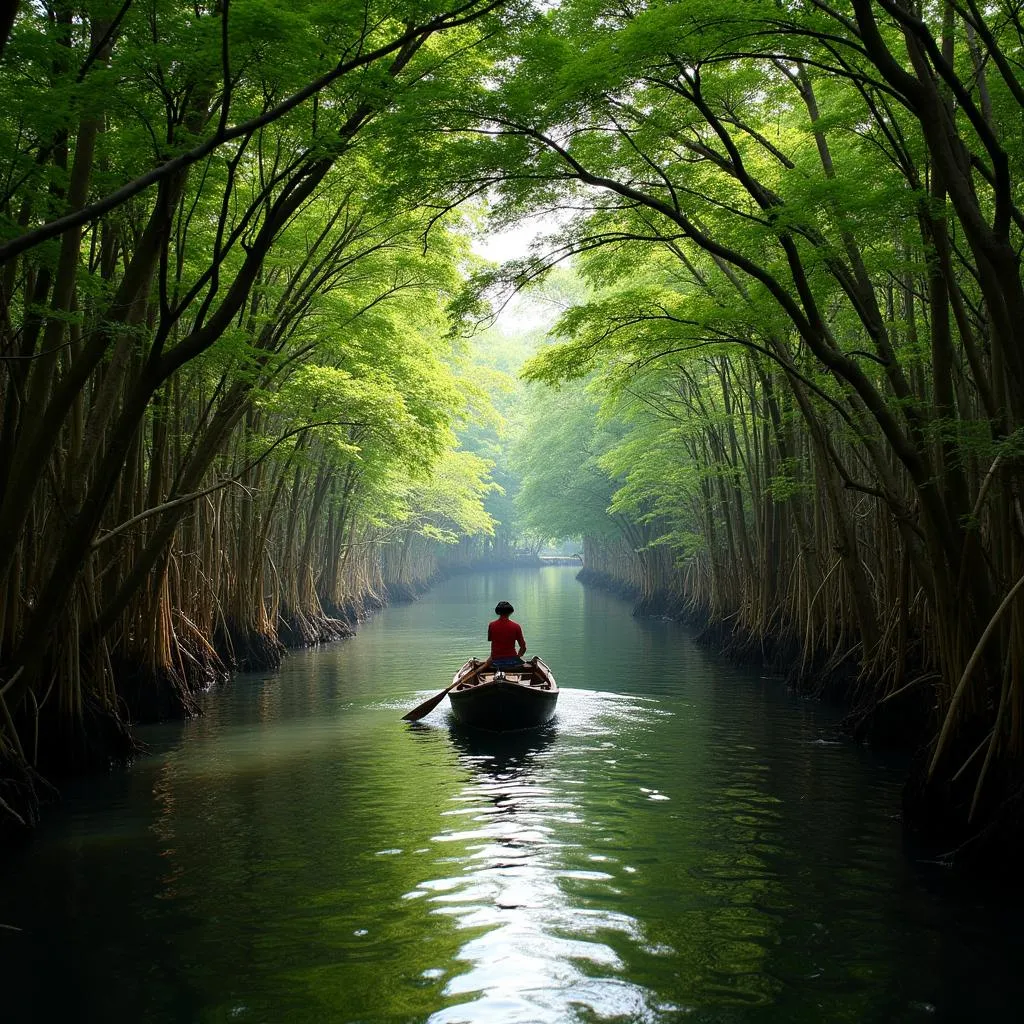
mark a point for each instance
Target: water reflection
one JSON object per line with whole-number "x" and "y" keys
{"x": 501, "y": 750}
{"x": 684, "y": 839}
{"x": 534, "y": 950}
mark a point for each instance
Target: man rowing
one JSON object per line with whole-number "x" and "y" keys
{"x": 506, "y": 637}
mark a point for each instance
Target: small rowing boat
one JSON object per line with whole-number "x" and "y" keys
{"x": 503, "y": 698}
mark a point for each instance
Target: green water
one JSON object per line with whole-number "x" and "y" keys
{"x": 687, "y": 841}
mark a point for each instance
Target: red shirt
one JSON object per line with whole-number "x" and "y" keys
{"x": 503, "y": 634}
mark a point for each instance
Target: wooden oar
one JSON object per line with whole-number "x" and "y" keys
{"x": 427, "y": 706}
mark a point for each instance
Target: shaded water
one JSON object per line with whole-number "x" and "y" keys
{"x": 685, "y": 841}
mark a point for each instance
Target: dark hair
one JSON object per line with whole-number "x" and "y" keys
{"x": 503, "y": 608}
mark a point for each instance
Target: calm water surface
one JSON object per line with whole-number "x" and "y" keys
{"x": 687, "y": 841}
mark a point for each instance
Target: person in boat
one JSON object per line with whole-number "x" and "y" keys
{"x": 506, "y": 636}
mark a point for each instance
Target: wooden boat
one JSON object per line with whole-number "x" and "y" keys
{"x": 503, "y": 698}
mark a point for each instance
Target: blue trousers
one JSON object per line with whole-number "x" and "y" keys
{"x": 507, "y": 662}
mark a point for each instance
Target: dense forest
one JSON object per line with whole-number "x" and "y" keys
{"x": 229, "y": 389}
{"x": 783, "y": 395}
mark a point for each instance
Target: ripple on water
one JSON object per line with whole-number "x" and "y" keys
{"x": 687, "y": 841}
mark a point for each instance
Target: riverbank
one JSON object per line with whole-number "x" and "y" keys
{"x": 937, "y": 818}
{"x": 283, "y": 853}
{"x": 103, "y": 739}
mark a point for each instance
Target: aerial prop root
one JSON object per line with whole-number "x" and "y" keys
{"x": 951, "y": 718}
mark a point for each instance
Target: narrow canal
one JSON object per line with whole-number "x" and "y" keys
{"x": 688, "y": 841}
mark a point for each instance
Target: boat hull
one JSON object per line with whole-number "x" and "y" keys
{"x": 503, "y": 699}
{"x": 501, "y": 706}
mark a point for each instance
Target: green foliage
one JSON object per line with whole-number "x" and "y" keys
{"x": 564, "y": 491}
{"x": 795, "y": 303}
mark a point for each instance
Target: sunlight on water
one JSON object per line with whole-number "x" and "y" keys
{"x": 539, "y": 951}
{"x": 684, "y": 841}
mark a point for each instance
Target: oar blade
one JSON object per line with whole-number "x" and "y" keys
{"x": 426, "y": 707}
{"x": 470, "y": 668}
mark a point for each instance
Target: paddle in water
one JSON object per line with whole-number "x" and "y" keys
{"x": 424, "y": 709}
